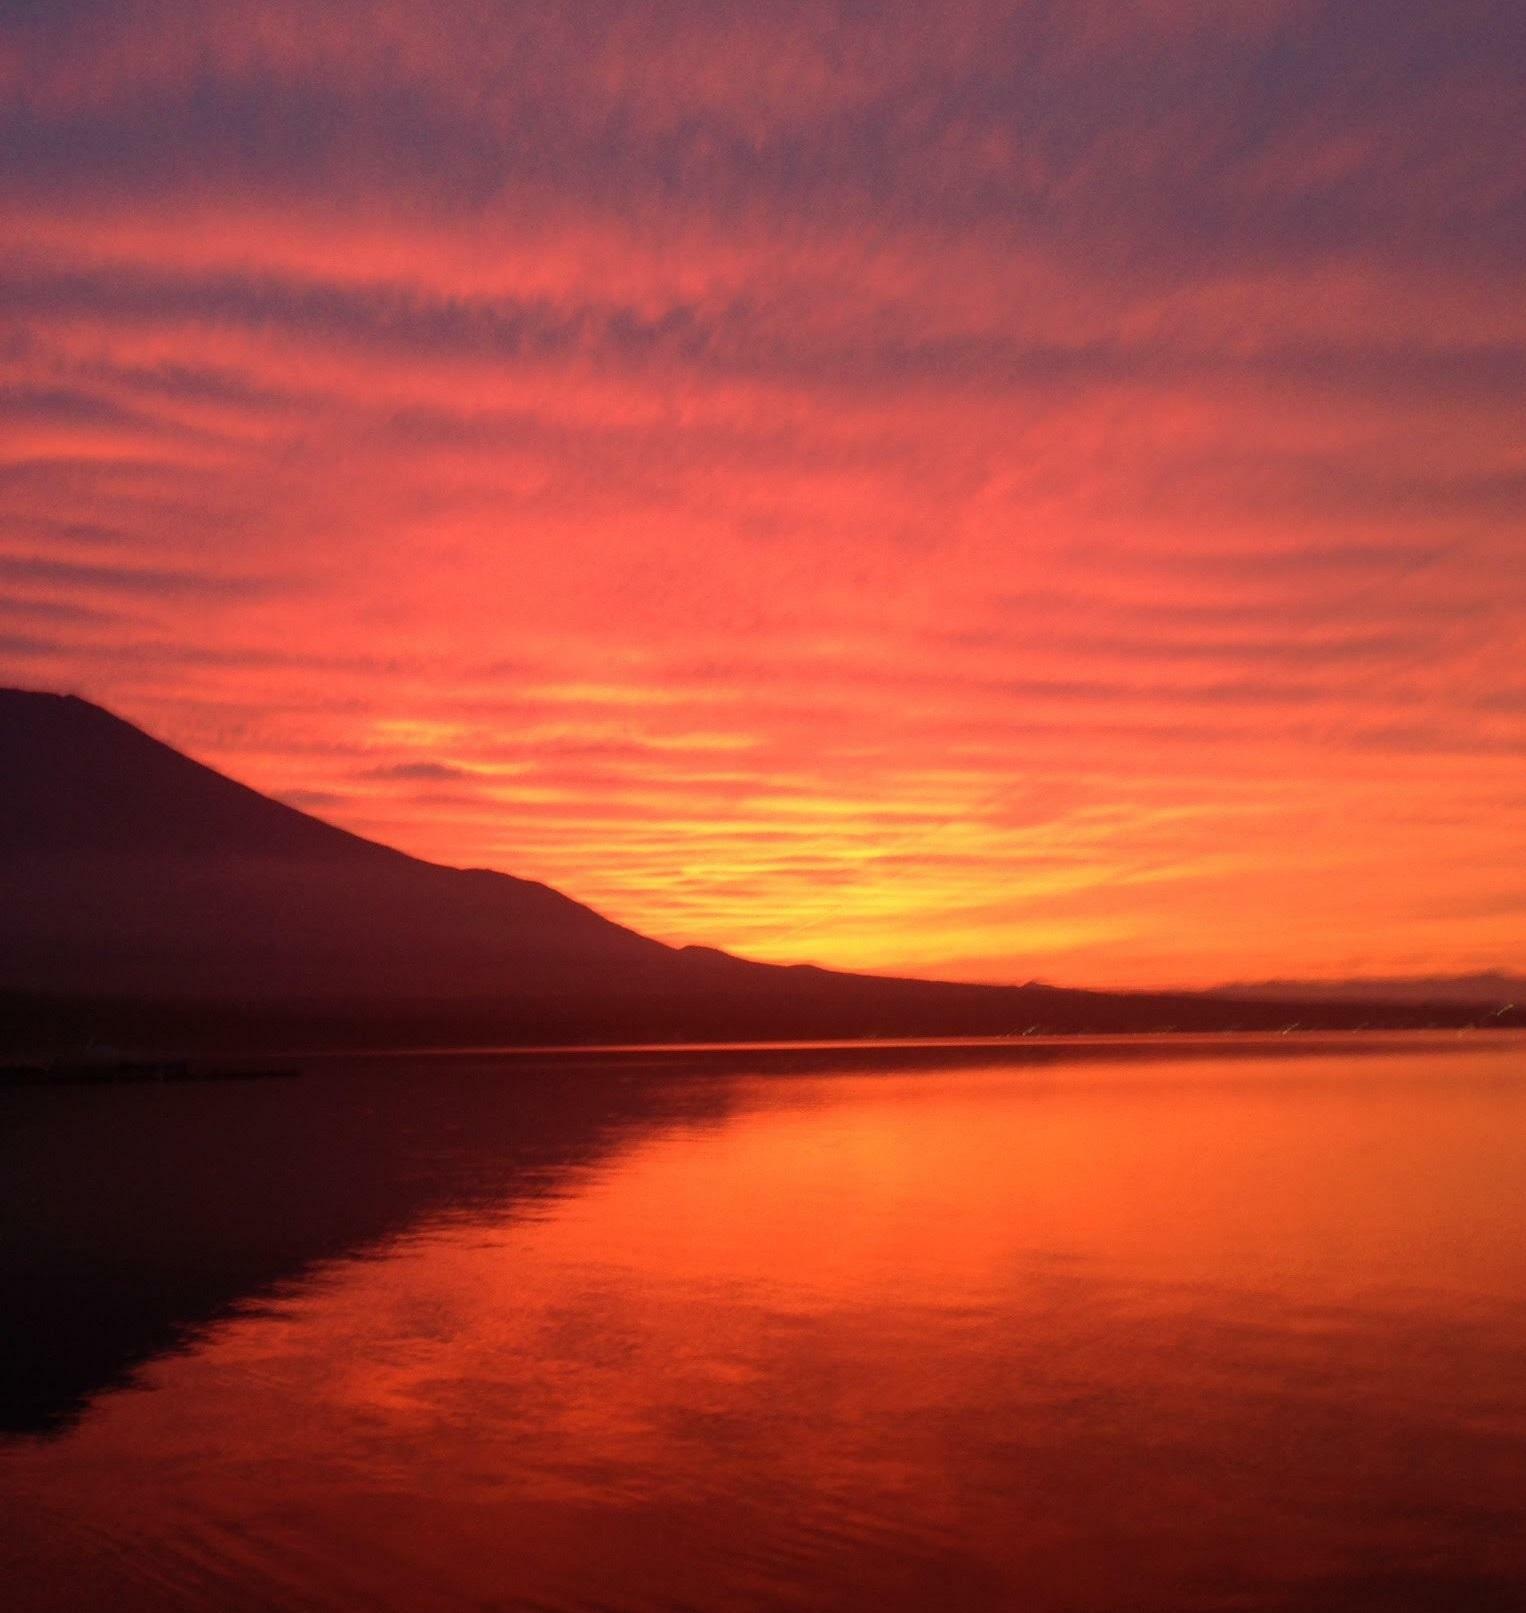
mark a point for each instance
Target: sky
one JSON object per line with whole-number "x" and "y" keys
{"x": 994, "y": 491}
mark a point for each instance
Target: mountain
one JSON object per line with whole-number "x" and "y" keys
{"x": 1491, "y": 989}
{"x": 125, "y": 867}
{"x": 145, "y": 896}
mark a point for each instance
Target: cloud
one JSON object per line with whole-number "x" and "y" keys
{"x": 417, "y": 772}
{"x": 68, "y": 574}
{"x": 312, "y": 800}
{"x": 912, "y": 494}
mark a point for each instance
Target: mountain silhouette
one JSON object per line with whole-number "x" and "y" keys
{"x": 144, "y": 895}
{"x": 129, "y": 868}
{"x": 1490, "y": 989}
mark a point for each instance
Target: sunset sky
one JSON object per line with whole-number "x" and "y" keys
{"x": 984, "y": 490}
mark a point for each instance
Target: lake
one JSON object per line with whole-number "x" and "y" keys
{"x": 1101, "y": 1327}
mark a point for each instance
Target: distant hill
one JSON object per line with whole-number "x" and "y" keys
{"x": 144, "y": 895}
{"x": 1492, "y": 989}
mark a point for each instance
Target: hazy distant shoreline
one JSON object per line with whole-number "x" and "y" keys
{"x": 35, "y": 1023}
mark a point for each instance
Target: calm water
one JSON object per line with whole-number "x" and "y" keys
{"x": 1188, "y": 1329}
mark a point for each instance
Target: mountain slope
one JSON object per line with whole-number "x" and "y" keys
{"x": 1492, "y": 989}
{"x": 126, "y": 867}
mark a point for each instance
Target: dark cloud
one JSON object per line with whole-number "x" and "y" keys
{"x": 416, "y": 772}
{"x": 1236, "y": 140}
{"x": 312, "y": 800}
{"x": 39, "y": 569}
{"x": 58, "y": 611}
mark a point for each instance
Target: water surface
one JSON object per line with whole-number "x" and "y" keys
{"x": 1198, "y": 1327}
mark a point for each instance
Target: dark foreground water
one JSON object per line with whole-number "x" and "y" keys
{"x": 1110, "y": 1329}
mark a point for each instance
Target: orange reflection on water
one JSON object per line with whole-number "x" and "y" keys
{"x": 1108, "y": 1337}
